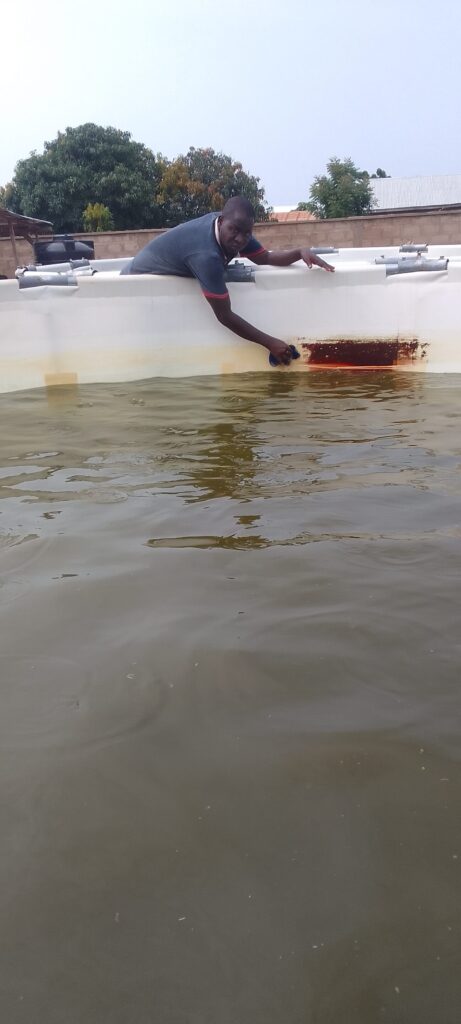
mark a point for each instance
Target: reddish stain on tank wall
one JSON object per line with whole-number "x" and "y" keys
{"x": 362, "y": 352}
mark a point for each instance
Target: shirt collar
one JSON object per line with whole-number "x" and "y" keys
{"x": 226, "y": 259}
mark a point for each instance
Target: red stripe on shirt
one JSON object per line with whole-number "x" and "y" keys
{"x": 212, "y": 295}
{"x": 254, "y": 252}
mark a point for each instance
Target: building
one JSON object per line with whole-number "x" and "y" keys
{"x": 14, "y": 226}
{"x": 397, "y": 195}
{"x": 428, "y": 192}
{"x": 290, "y": 215}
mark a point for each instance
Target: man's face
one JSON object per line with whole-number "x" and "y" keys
{"x": 234, "y": 233}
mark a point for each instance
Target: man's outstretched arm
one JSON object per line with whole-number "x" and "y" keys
{"x": 285, "y": 257}
{"x": 224, "y": 313}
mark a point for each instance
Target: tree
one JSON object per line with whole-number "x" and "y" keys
{"x": 344, "y": 192}
{"x": 202, "y": 181}
{"x": 380, "y": 173}
{"x": 6, "y": 196}
{"x": 97, "y": 217}
{"x": 89, "y": 164}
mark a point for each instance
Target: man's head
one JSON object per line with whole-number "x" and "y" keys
{"x": 235, "y": 225}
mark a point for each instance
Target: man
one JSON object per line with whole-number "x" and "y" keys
{"x": 203, "y": 247}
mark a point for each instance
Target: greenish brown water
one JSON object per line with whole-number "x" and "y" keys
{"x": 230, "y": 655}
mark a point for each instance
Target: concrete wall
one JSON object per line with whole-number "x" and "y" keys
{"x": 385, "y": 229}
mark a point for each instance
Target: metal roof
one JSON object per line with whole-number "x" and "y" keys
{"x": 407, "y": 193}
{"x": 21, "y": 225}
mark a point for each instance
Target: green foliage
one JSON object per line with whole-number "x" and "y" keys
{"x": 139, "y": 188}
{"x": 6, "y": 196}
{"x": 97, "y": 217}
{"x": 202, "y": 181}
{"x": 87, "y": 161}
{"x": 379, "y": 173}
{"x": 344, "y": 192}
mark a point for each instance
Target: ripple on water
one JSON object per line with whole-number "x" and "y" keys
{"x": 51, "y": 701}
{"x": 19, "y": 551}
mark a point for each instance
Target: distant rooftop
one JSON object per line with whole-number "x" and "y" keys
{"x": 17, "y": 224}
{"x": 290, "y": 215}
{"x": 408, "y": 193}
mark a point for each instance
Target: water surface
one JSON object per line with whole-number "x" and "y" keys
{"x": 229, "y": 701}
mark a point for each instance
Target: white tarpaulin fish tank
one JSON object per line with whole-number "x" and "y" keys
{"x": 83, "y": 323}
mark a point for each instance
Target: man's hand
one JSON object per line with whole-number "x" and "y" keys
{"x": 312, "y": 260}
{"x": 281, "y": 351}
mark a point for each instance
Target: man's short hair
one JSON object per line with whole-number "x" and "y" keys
{"x": 238, "y": 205}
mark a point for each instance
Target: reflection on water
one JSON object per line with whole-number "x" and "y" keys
{"x": 229, "y": 694}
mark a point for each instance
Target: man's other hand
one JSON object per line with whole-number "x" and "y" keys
{"x": 312, "y": 260}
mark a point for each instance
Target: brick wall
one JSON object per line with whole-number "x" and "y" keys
{"x": 383, "y": 229}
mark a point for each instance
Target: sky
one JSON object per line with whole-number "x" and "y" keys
{"x": 281, "y": 85}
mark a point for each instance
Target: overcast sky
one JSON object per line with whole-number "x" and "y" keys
{"x": 280, "y": 85}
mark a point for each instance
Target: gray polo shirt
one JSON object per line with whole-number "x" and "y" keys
{"x": 190, "y": 250}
